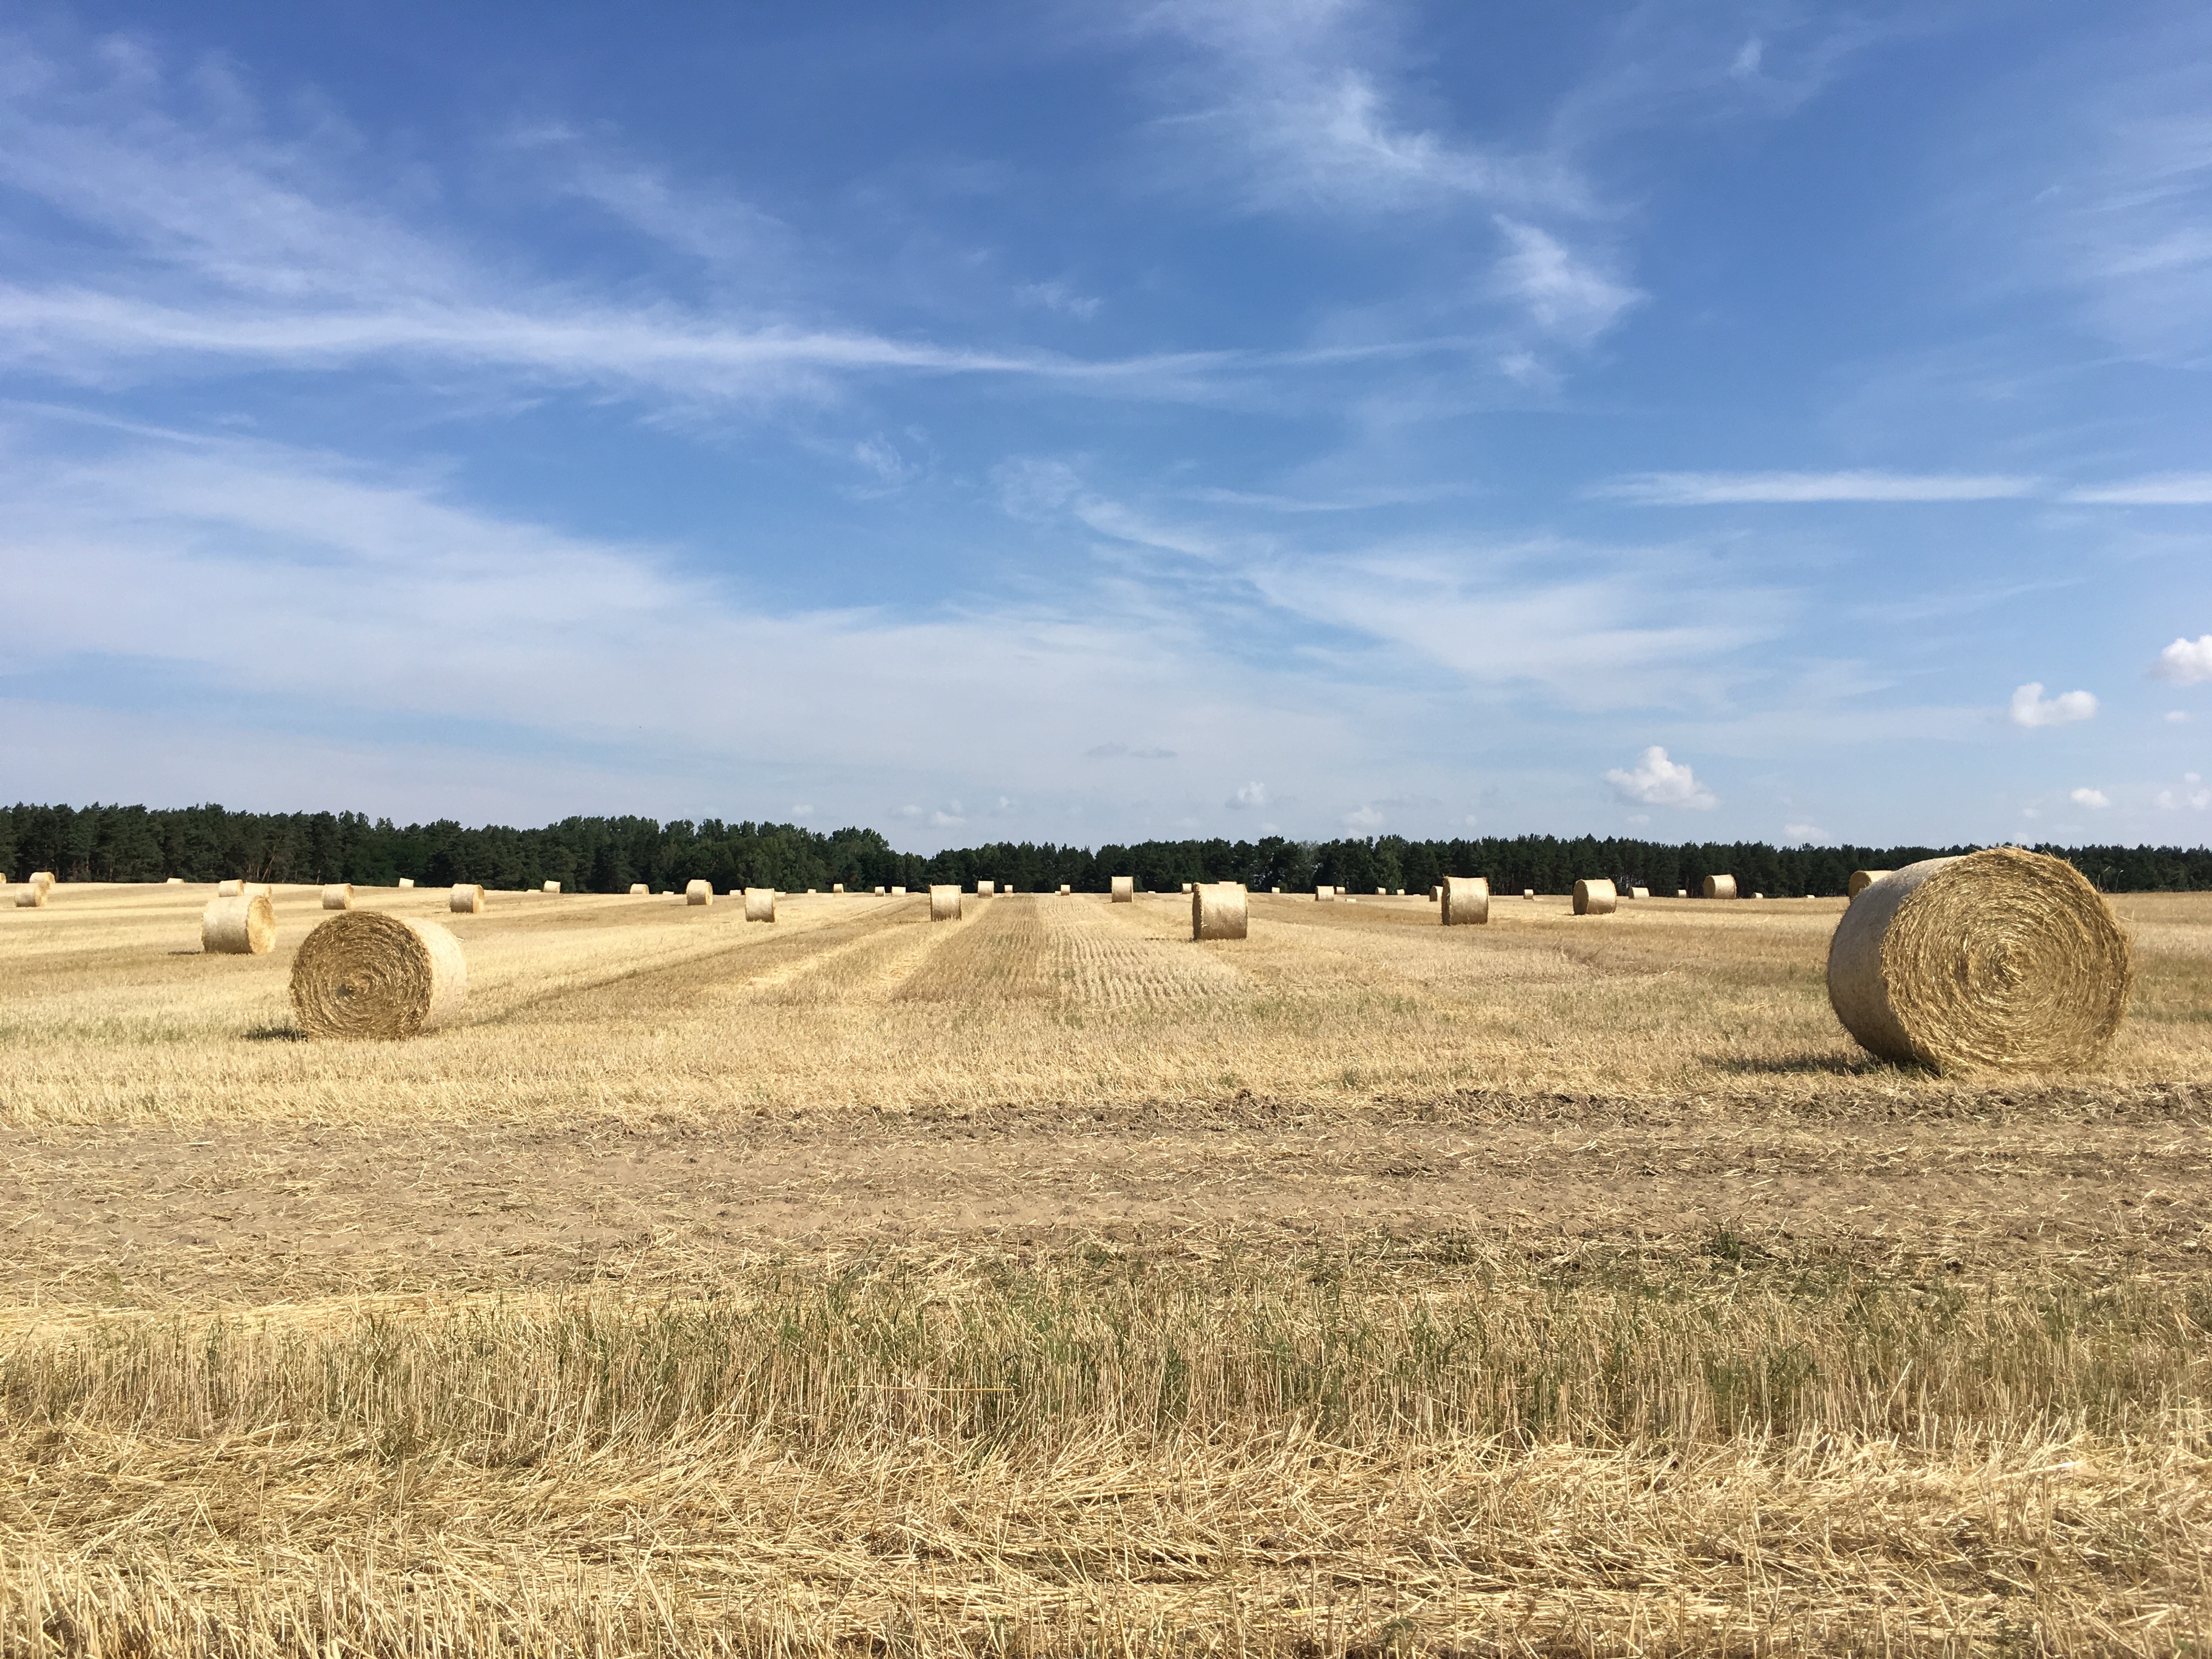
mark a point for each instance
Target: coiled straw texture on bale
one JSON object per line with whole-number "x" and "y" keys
{"x": 1219, "y": 910}
{"x": 1862, "y": 880}
{"x": 243, "y": 926}
{"x": 1596, "y": 898}
{"x": 466, "y": 898}
{"x": 368, "y": 975}
{"x": 1125, "y": 890}
{"x": 2002, "y": 960}
{"x": 760, "y": 904}
{"x": 337, "y": 896}
{"x": 1718, "y": 887}
{"x": 698, "y": 892}
{"x": 1464, "y": 900}
{"x": 945, "y": 904}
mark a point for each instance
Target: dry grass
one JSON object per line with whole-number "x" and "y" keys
{"x": 1046, "y": 1282}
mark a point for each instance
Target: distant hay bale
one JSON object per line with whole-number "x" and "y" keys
{"x": 1759, "y": 896}
{"x": 42, "y": 878}
{"x": 896, "y": 892}
{"x": 1125, "y": 890}
{"x": 698, "y": 892}
{"x": 406, "y": 881}
{"x": 1639, "y": 892}
{"x": 1065, "y": 889}
{"x": 1720, "y": 887}
{"x": 836, "y": 886}
{"x": 985, "y": 889}
{"x": 552, "y": 887}
{"x": 33, "y": 898}
{"x": 639, "y": 889}
{"x": 1324, "y": 895}
{"x": 466, "y": 899}
{"x": 2001, "y": 959}
{"x": 368, "y": 975}
{"x": 1463, "y": 901}
{"x": 879, "y": 892}
{"x": 1862, "y": 880}
{"x": 944, "y": 903}
{"x": 1437, "y": 894}
{"x": 1274, "y": 889}
{"x": 1681, "y": 892}
{"x": 1342, "y": 891}
{"x": 1187, "y": 887}
{"x": 173, "y": 881}
{"x": 1596, "y": 898}
{"x": 244, "y": 925}
{"x": 337, "y": 896}
{"x": 760, "y": 904}
{"x": 228, "y": 889}
{"x": 1219, "y": 910}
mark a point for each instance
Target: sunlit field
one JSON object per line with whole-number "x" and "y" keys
{"x": 1044, "y": 1281}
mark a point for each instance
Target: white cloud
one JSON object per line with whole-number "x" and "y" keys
{"x": 1248, "y": 795}
{"x": 1363, "y": 818}
{"x": 2173, "y": 490}
{"x": 2176, "y": 717}
{"x": 1806, "y": 832}
{"x": 2185, "y": 662}
{"x": 1058, "y": 297}
{"x": 1657, "y": 782}
{"x": 2093, "y": 798}
{"x": 2030, "y": 707}
{"x": 1719, "y": 488}
{"x": 2194, "y": 796}
{"x": 1564, "y": 295}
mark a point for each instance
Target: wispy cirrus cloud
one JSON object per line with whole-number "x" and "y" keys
{"x": 2169, "y": 490}
{"x": 1721, "y": 488}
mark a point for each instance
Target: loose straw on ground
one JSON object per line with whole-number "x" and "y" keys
{"x": 1463, "y": 901}
{"x": 337, "y": 896}
{"x": 698, "y": 892}
{"x": 2003, "y": 959}
{"x": 1596, "y": 898}
{"x": 1720, "y": 887}
{"x": 466, "y": 899}
{"x": 944, "y": 903}
{"x": 1862, "y": 880}
{"x": 366, "y": 974}
{"x": 244, "y": 925}
{"x": 1219, "y": 910}
{"x": 760, "y": 904}
{"x": 1125, "y": 890}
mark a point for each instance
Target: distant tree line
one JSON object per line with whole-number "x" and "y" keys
{"x": 606, "y": 855}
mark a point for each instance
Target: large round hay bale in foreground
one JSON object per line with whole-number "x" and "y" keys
{"x": 1219, "y": 910}
{"x": 1862, "y": 880}
{"x": 337, "y": 896}
{"x": 242, "y": 926}
{"x": 1718, "y": 887}
{"x": 1596, "y": 898}
{"x": 466, "y": 899}
{"x": 1125, "y": 890}
{"x": 760, "y": 904}
{"x": 944, "y": 903}
{"x": 698, "y": 892}
{"x": 2003, "y": 959}
{"x": 1465, "y": 901}
{"x": 365, "y": 974}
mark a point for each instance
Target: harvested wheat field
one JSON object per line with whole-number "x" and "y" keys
{"x": 1043, "y": 1281}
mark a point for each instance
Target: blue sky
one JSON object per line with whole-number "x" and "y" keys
{"x": 1094, "y": 422}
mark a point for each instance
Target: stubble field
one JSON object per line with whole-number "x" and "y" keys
{"x": 1044, "y": 1281}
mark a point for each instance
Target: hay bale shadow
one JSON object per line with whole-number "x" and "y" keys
{"x": 275, "y": 1034}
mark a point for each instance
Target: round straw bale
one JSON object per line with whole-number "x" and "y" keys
{"x": 245, "y": 926}
{"x": 1125, "y": 890}
{"x": 698, "y": 892}
{"x": 1862, "y": 880}
{"x": 1274, "y": 889}
{"x": 1324, "y": 895}
{"x": 1463, "y": 901}
{"x": 2003, "y": 959}
{"x": 466, "y": 898}
{"x": 1639, "y": 892}
{"x": 368, "y": 974}
{"x": 1527, "y": 892}
{"x": 1219, "y": 910}
{"x": 1759, "y": 896}
{"x": 944, "y": 903}
{"x": 1437, "y": 894}
{"x": 173, "y": 881}
{"x": 639, "y": 889}
{"x": 1065, "y": 889}
{"x": 406, "y": 881}
{"x": 33, "y": 898}
{"x": 1720, "y": 887}
{"x": 896, "y": 892}
{"x": 760, "y": 904}
{"x": 552, "y": 886}
{"x": 337, "y": 896}
{"x": 879, "y": 892}
{"x": 985, "y": 889}
{"x": 42, "y": 878}
{"x": 1681, "y": 892}
{"x": 1382, "y": 892}
{"x": 228, "y": 889}
{"x": 1596, "y": 898}
{"x": 836, "y": 886}
{"x": 1186, "y": 886}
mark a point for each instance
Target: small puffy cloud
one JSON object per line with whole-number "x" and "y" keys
{"x": 1122, "y": 751}
{"x": 2093, "y": 799}
{"x": 1250, "y": 794}
{"x": 1364, "y": 818}
{"x": 2030, "y": 707}
{"x": 2176, "y": 717}
{"x": 799, "y": 808}
{"x": 1806, "y": 832}
{"x": 1654, "y": 781}
{"x": 2185, "y": 662}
